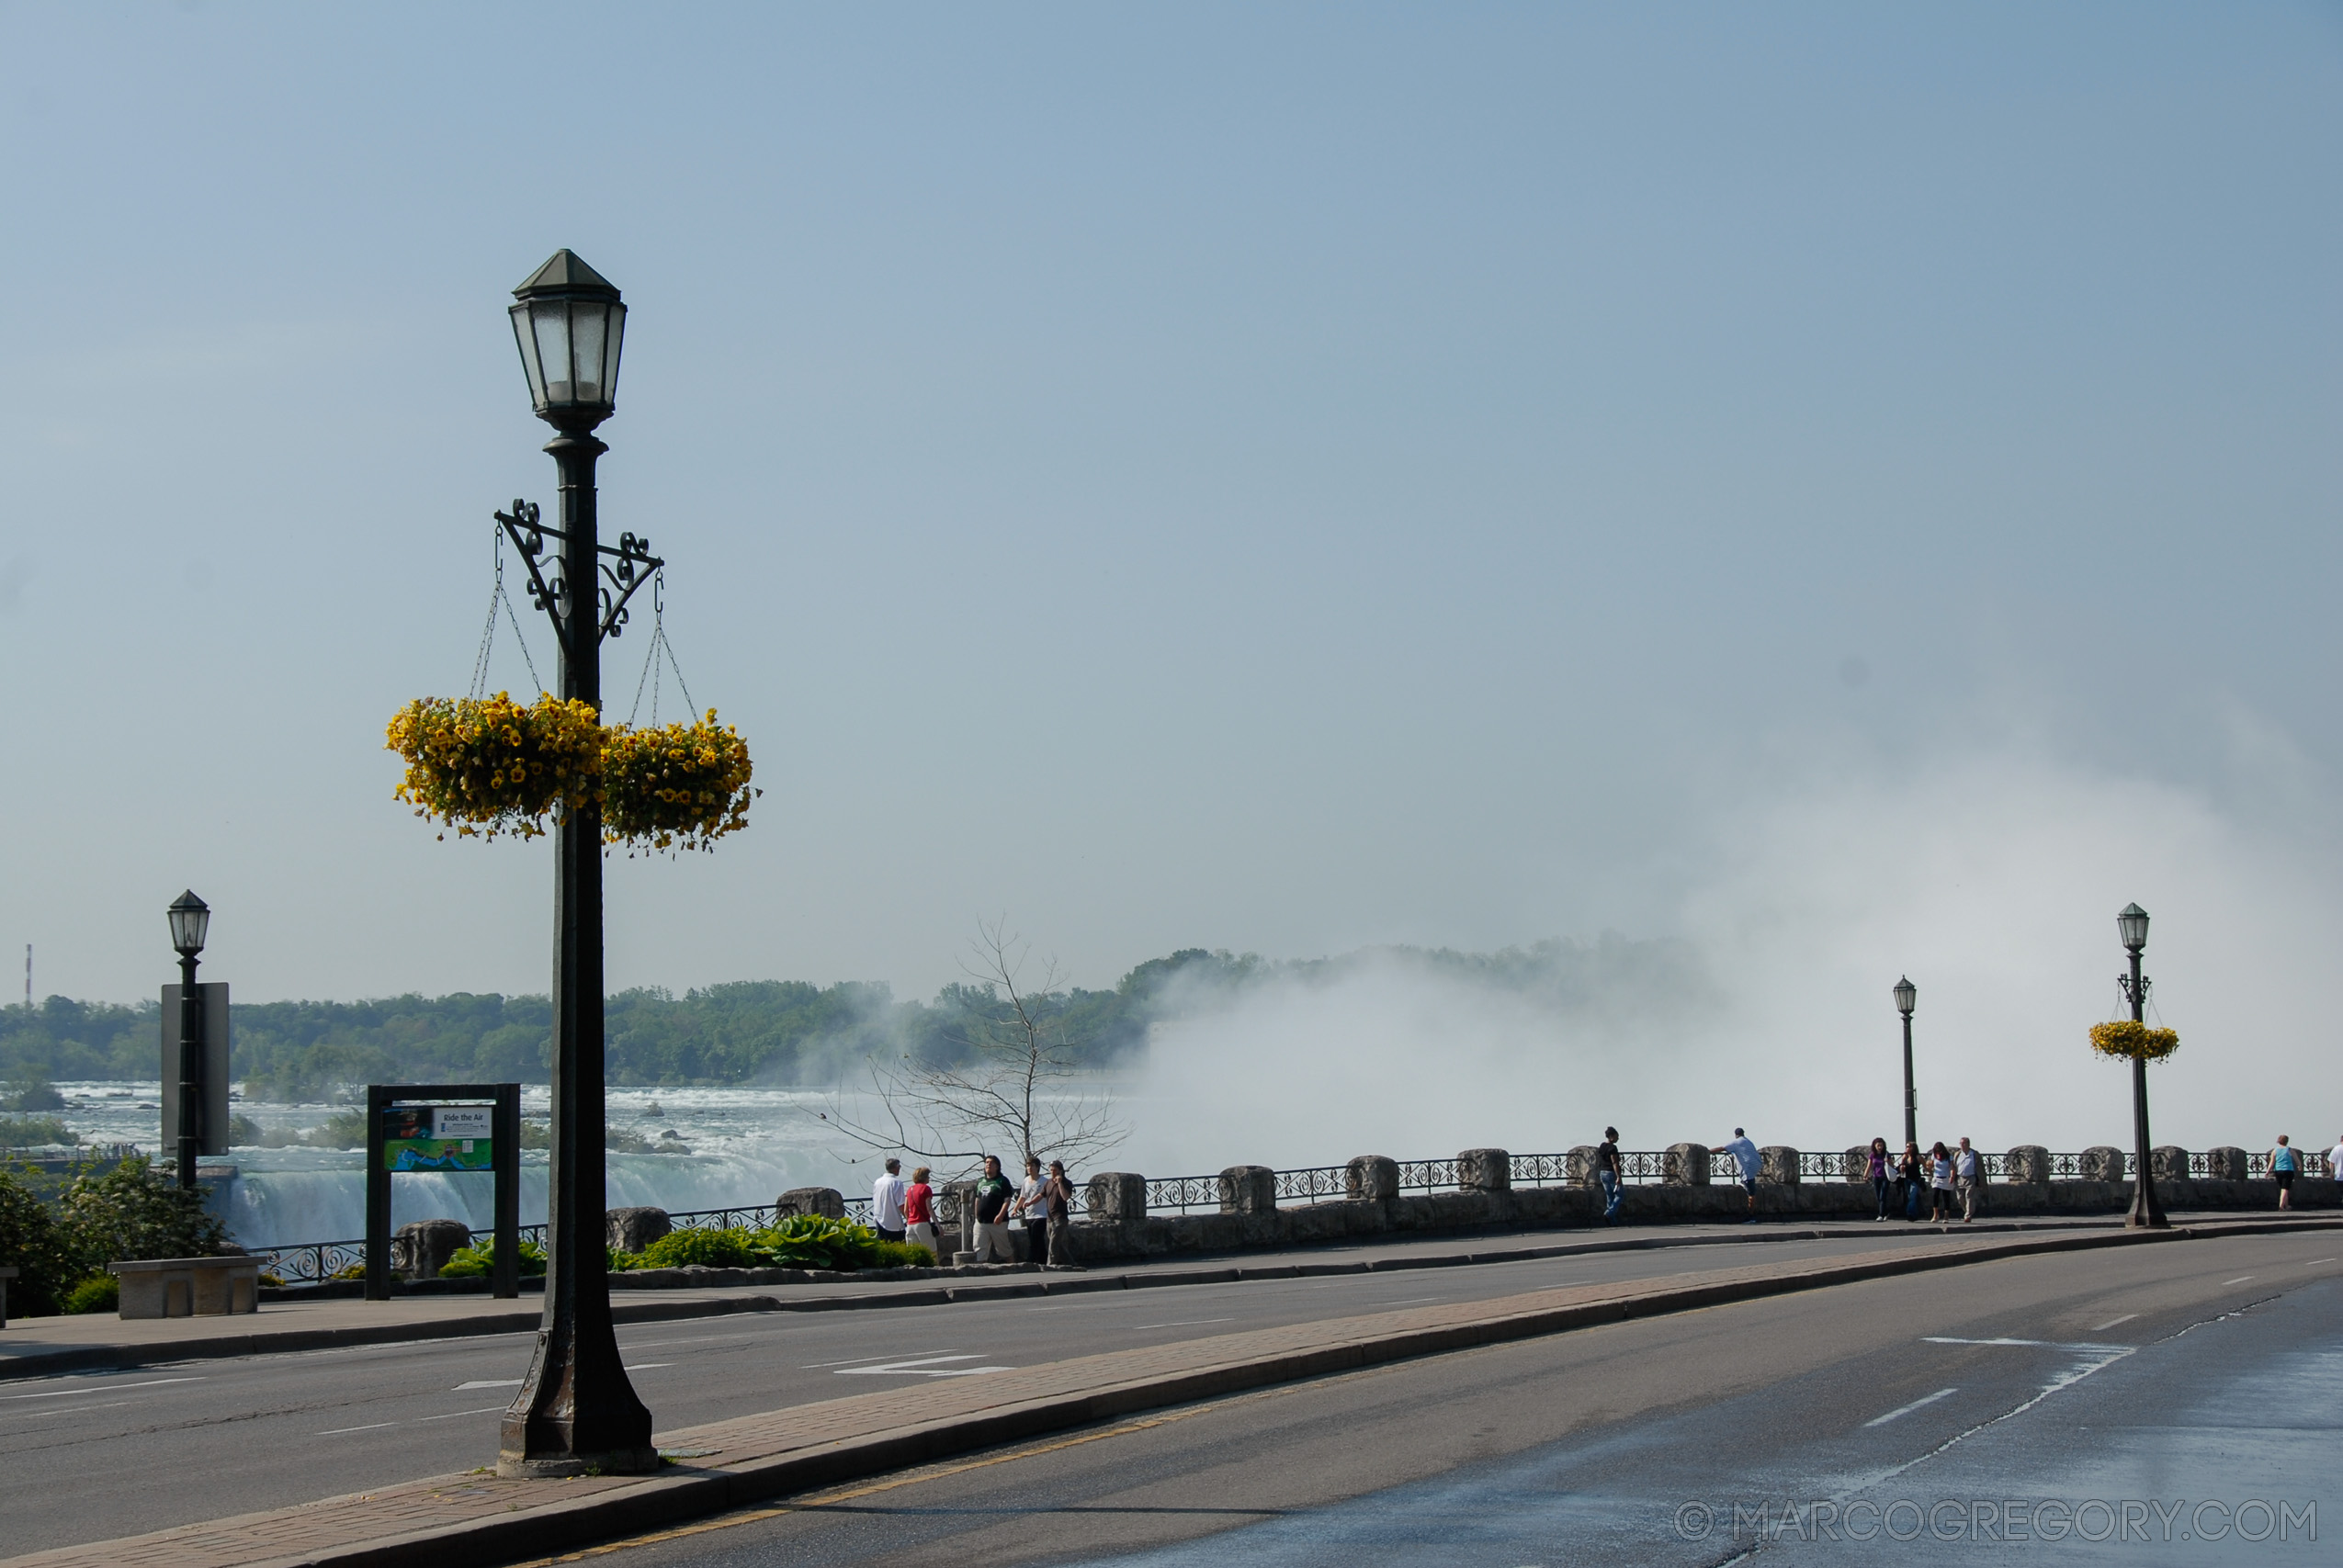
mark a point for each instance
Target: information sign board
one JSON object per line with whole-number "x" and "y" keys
{"x": 437, "y": 1137}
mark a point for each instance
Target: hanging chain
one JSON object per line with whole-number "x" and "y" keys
{"x": 660, "y": 650}
{"x": 488, "y": 633}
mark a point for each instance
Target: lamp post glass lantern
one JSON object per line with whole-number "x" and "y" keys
{"x": 190, "y": 920}
{"x": 2148, "y": 1213}
{"x": 576, "y": 1412}
{"x": 1907, "y": 995}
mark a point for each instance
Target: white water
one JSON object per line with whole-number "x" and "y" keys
{"x": 748, "y": 1146}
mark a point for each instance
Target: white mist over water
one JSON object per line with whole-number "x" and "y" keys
{"x": 1993, "y": 882}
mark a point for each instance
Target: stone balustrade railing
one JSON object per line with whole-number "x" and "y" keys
{"x": 1243, "y": 1189}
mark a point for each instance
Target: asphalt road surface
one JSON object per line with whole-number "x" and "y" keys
{"x": 1715, "y": 1393}
{"x": 2180, "y": 1403}
{"x": 98, "y": 1456}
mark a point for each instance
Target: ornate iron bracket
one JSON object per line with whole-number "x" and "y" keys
{"x": 634, "y": 565}
{"x": 2124, "y": 984}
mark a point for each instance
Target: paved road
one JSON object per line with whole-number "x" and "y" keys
{"x": 2208, "y": 1374}
{"x": 104, "y": 1455}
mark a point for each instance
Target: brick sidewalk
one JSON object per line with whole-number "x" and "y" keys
{"x": 459, "y": 1520}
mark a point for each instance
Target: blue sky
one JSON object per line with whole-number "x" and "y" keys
{"x": 1281, "y": 479}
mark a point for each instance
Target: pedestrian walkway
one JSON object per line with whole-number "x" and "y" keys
{"x": 479, "y": 1518}
{"x": 44, "y": 1346}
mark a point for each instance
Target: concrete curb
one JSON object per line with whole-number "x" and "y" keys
{"x": 628, "y": 1307}
{"x": 624, "y": 1310}
{"x": 688, "y": 1494}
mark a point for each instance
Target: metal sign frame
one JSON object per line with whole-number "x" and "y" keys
{"x": 504, "y": 1163}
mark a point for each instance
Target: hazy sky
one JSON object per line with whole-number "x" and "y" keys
{"x": 1852, "y": 486}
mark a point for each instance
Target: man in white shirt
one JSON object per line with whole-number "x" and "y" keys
{"x": 1745, "y": 1156}
{"x": 1968, "y": 1175}
{"x": 2334, "y": 1158}
{"x": 886, "y": 1203}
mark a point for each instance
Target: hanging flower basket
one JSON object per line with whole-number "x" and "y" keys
{"x": 489, "y": 765}
{"x": 681, "y": 787}
{"x": 2131, "y": 1040}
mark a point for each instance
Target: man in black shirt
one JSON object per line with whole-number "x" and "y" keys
{"x": 1607, "y": 1174}
{"x": 992, "y": 1195}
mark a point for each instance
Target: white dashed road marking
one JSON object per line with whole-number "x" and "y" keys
{"x": 1906, "y": 1410}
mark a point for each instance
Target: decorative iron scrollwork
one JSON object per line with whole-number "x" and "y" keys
{"x": 634, "y": 565}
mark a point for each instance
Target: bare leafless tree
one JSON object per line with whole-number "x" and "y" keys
{"x": 1017, "y": 1090}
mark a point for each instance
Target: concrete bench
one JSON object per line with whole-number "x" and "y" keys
{"x": 188, "y": 1287}
{"x": 5, "y": 1275}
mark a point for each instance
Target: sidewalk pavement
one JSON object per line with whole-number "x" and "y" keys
{"x": 475, "y": 1519}
{"x": 44, "y": 1346}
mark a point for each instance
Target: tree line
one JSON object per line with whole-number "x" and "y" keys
{"x": 768, "y": 1032}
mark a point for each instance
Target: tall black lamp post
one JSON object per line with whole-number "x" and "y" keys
{"x": 576, "y": 1411}
{"x": 190, "y": 918}
{"x": 2146, "y": 1214}
{"x": 1907, "y": 995}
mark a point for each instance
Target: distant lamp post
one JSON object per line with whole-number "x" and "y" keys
{"x": 190, "y": 919}
{"x": 2132, "y": 925}
{"x": 1907, "y": 995}
{"x": 576, "y": 1413}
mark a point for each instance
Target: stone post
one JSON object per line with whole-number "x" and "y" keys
{"x": 1578, "y": 1166}
{"x": 2102, "y": 1162}
{"x": 1248, "y": 1190}
{"x": 421, "y": 1250}
{"x": 955, "y": 1221}
{"x": 2166, "y": 1162}
{"x": 2226, "y": 1164}
{"x": 1855, "y": 1165}
{"x": 1115, "y": 1197}
{"x": 1485, "y": 1170}
{"x": 2027, "y": 1165}
{"x": 823, "y": 1201}
{"x": 631, "y": 1230}
{"x": 1684, "y": 1165}
{"x": 1371, "y": 1178}
{"x": 1778, "y": 1165}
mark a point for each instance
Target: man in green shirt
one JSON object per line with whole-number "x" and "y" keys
{"x": 992, "y": 1195}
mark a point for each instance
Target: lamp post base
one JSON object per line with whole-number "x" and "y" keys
{"x": 2146, "y": 1214}
{"x": 624, "y": 1462}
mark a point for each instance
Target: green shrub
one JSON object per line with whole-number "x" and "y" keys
{"x": 37, "y": 1245}
{"x": 816, "y": 1241}
{"x": 900, "y": 1255}
{"x": 732, "y": 1249}
{"x": 100, "y": 1293}
{"x": 134, "y": 1211}
{"x": 474, "y": 1262}
{"x": 620, "y": 1262}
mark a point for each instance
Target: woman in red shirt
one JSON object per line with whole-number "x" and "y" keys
{"x": 919, "y": 1213}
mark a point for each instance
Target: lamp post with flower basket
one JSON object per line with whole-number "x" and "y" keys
{"x": 490, "y": 766}
{"x": 2132, "y": 1039}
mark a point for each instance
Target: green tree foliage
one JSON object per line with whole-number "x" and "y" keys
{"x": 32, "y": 1241}
{"x": 130, "y": 1212}
{"x": 749, "y": 1031}
{"x": 135, "y": 1212}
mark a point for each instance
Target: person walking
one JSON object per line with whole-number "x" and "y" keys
{"x": 2284, "y": 1164}
{"x": 992, "y": 1197}
{"x": 1968, "y": 1176}
{"x": 1745, "y": 1154}
{"x": 887, "y": 1203}
{"x": 919, "y": 1214}
{"x": 2334, "y": 1159}
{"x": 1909, "y": 1176}
{"x": 1939, "y": 1182}
{"x": 1875, "y": 1171}
{"x": 1058, "y": 1200}
{"x": 1607, "y": 1174}
{"x": 1029, "y": 1206}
